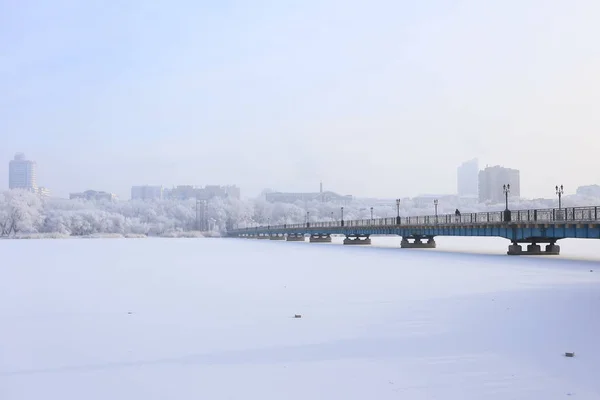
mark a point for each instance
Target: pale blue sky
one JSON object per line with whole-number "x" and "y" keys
{"x": 379, "y": 98}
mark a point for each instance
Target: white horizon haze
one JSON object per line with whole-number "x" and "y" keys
{"x": 378, "y": 99}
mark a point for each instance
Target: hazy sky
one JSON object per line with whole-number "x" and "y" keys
{"x": 376, "y": 98}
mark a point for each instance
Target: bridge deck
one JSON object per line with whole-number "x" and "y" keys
{"x": 546, "y": 225}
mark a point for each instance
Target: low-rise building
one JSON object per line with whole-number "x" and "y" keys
{"x": 43, "y": 191}
{"x": 589, "y": 191}
{"x": 146, "y": 192}
{"x": 188, "y": 192}
{"x": 210, "y": 191}
{"x": 282, "y": 197}
{"x": 181, "y": 192}
{"x": 93, "y": 195}
{"x": 428, "y": 200}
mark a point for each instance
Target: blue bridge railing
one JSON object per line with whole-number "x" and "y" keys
{"x": 570, "y": 214}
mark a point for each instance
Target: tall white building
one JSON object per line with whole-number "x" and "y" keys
{"x": 22, "y": 173}
{"x": 492, "y": 181}
{"x": 468, "y": 178}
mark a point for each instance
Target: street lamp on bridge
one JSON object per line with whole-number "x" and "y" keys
{"x": 371, "y": 214}
{"x": 559, "y": 191}
{"x": 308, "y": 219}
{"x": 435, "y": 204}
{"x": 506, "y": 189}
{"x": 397, "y": 211}
{"x": 342, "y": 219}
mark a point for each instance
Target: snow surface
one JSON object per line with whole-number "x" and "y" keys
{"x": 213, "y": 319}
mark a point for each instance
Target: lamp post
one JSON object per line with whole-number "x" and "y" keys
{"x": 308, "y": 219}
{"x": 397, "y": 211}
{"x": 435, "y": 203}
{"x": 332, "y": 219}
{"x": 506, "y": 189}
{"x": 342, "y": 219}
{"x": 371, "y": 214}
{"x": 559, "y": 191}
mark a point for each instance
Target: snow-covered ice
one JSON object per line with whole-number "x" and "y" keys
{"x": 214, "y": 319}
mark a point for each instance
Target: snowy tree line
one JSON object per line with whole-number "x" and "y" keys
{"x": 23, "y": 212}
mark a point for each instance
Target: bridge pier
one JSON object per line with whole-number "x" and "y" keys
{"x": 295, "y": 237}
{"x": 533, "y": 249}
{"x": 320, "y": 238}
{"x": 552, "y": 249}
{"x": 417, "y": 242}
{"x": 357, "y": 239}
{"x": 277, "y": 237}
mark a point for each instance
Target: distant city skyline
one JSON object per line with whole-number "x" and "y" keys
{"x": 465, "y": 173}
{"x": 381, "y": 99}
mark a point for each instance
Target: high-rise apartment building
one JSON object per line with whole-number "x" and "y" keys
{"x": 22, "y": 173}
{"x": 492, "y": 181}
{"x": 468, "y": 178}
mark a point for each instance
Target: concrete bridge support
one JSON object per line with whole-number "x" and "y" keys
{"x": 418, "y": 242}
{"x": 320, "y": 238}
{"x": 357, "y": 239}
{"x": 277, "y": 237}
{"x": 295, "y": 237}
{"x": 533, "y": 249}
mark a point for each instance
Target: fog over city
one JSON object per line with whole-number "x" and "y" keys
{"x": 377, "y": 99}
{"x": 309, "y": 199}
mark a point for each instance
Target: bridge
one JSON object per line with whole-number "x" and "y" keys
{"x": 531, "y": 227}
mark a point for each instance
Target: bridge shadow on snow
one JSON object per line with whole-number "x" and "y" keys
{"x": 457, "y": 255}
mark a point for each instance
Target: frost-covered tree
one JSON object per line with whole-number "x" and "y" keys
{"x": 20, "y": 211}
{"x": 23, "y": 212}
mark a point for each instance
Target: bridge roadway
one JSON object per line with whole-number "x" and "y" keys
{"x": 534, "y": 227}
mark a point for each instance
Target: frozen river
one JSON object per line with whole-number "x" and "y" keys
{"x": 213, "y": 319}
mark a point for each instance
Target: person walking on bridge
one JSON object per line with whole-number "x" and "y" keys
{"x": 457, "y": 215}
